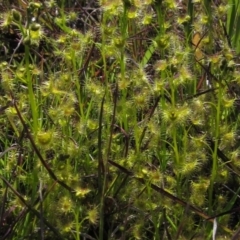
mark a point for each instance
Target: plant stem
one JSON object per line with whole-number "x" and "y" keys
{"x": 215, "y": 155}
{"x": 31, "y": 95}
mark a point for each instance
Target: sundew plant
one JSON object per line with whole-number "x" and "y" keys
{"x": 119, "y": 119}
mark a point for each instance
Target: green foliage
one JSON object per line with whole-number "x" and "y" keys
{"x": 119, "y": 121}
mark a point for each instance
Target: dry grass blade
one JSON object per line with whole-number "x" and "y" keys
{"x": 236, "y": 235}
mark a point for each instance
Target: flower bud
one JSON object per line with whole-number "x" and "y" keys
{"x": 35, "y": 27}
{"x": 16, "y": 15}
